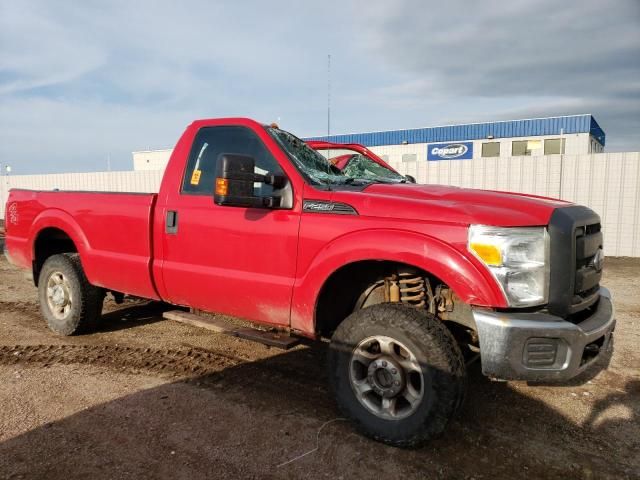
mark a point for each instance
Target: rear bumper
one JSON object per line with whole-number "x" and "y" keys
{"x": 540, "y": 346}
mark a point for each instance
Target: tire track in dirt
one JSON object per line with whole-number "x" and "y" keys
{"x": 238, "y": 377}
{"x": 27, "y": 307}
{"x": 177, "y": 362}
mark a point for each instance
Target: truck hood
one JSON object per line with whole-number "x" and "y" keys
{"x": 447, "y": 204}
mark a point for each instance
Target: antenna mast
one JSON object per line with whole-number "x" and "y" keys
{"x": 329, "y": 94}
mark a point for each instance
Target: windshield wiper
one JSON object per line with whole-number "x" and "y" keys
{"x": 358, "y": 181}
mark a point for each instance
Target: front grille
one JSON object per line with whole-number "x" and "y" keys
{"x": 576, "y": 254}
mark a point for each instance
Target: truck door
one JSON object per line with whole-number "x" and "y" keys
{"x": 233, "y": 260}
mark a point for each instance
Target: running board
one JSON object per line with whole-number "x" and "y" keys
{"x": 272, "y": 339}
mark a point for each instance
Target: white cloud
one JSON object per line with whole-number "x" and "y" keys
{"x": 38, "y": 52}
{"x": 81, "y": 80}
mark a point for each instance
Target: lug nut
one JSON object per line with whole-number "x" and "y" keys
{"x": 384, "y": 364}
{"x": 394, "y": 371}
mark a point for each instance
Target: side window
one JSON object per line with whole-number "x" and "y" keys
{"x": 491, "y": 149}
{"x": 553, "y": 146}
{"x": 210, "y": 143}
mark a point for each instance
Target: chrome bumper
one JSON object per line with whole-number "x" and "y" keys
{"x": 540, "y": 346}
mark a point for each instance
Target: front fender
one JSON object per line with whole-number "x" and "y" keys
{"x": 471, "y": 283}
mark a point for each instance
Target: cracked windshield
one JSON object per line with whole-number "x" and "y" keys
{"x": 343, "y": 167}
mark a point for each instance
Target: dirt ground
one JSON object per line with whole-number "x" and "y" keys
{"x": 150, "y": 398}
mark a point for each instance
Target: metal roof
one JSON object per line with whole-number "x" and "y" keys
{"x": 475, "y": 131}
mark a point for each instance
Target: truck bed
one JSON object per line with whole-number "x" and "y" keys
{"x": 112, "y": 232}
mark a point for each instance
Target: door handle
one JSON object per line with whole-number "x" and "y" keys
{"x": 171, "y": 224}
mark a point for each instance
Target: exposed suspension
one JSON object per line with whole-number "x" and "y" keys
{"x": 406, "y": 288}
{"x": 417, "y": 291}
{"x": 412, "y": 289}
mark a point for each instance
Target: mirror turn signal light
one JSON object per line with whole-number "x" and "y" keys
{"x": 222, "y": 186}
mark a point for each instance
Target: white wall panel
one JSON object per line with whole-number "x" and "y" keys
{"x": 609, "y": 183}
{"x": 140, "y": 181}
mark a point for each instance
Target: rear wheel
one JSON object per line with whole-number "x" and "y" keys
{"x": 69, "y": 303}
{"x": 397, "y": 372}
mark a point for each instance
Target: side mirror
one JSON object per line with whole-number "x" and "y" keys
{"x": 410, "y": 179}
{"x": 235, "y": 177}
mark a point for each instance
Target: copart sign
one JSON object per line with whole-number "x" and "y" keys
{"x": 450, "y": 151}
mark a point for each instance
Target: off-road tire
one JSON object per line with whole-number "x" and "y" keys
{"x": 434, "y": 348}
{"x": 86, "y": 308}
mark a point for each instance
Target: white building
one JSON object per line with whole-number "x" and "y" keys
{"x": 571, "y": 135}
{"x": 151, "y": 159}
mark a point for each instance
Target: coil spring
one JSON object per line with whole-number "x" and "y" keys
{"x": 412, "y": 289}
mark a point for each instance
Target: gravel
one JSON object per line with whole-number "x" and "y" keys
{"x": 148, "y": 398}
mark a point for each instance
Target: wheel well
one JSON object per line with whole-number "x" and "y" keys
{"x": 342, "y": 292}
{"x": 50, "y": 241}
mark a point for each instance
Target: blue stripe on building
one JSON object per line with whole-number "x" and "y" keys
{"x": 476, "y": 131}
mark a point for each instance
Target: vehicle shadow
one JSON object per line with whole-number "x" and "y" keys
{"x": 131, "y": 314}
{"x": 246, "y": 420}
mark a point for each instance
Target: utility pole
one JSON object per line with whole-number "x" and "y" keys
{"x": 3, "y": 200}
{"x": 561, "y": 161}
{"x": 4, "y": 192}
{"x": 328, "y": 94}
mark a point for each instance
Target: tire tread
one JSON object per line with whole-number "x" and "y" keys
{"x": 444, "y": 354}
{"x": 89, "y": 298}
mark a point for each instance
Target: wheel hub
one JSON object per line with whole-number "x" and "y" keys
{"x": 386, "y": 377}
{"x": 58, "y": 297}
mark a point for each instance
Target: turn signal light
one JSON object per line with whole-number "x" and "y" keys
{"x": 222, "y": 186}
{"x": 490, "y": 254}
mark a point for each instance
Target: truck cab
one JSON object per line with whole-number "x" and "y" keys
{"x": 406, "y": 281}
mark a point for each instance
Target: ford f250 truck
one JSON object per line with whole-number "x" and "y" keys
{"x": 403, "y": 279}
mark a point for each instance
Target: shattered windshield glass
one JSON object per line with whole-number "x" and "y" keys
{"x": 360, "y": 166}
{"x": 320, "y": 170}
{"x": 317, "y": 168}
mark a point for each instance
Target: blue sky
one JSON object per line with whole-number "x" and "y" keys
{"x": 81, "y": 82}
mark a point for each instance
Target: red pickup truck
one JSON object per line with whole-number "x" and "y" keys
{"x": 407, "y": 281}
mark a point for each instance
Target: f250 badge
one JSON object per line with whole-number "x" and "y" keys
{"x": 13, "y": 213}
{"x": 324, "y": 206}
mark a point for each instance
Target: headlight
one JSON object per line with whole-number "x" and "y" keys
{"x": 518, "y": 258}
